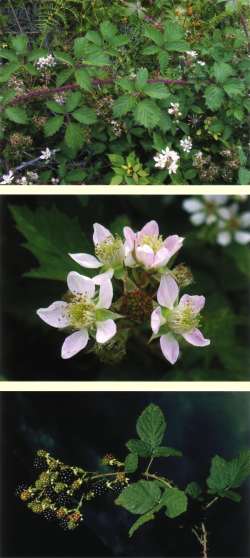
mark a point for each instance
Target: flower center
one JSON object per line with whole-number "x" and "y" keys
{"x": 182, "y": 320}
{"x": 233, "y": 224}
{"x": 81, "y": 312}
{"x": 154, "y": 242}
{"x": 110, "y": 251}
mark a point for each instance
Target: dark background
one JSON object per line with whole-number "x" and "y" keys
{"x": 79, "y": 428}
{"x": 31, "y": 349}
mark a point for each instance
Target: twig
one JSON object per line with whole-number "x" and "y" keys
{"x": 27, "y": 164}
{"x": 15, "y": 16}
{"x": 160, "y": 479}
{"x": 211, "y": 502}
{"x": 202, "y": 537}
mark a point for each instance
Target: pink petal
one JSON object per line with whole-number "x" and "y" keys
{"x": 145, "y": 255}
{"x": 162, "y": 257}
{"x": 168, "y": 291}
{"x": 170, "y": 347}
{"x": 86, "y": 260}
{"x": 105, "y": 331}
{"x": 100, "y": 233}
{"x": 129, "y": 236}
{"x": 105, "y": 295}
{"x": 156, "y": 320}
{"x": 74, "y": 343}
{"x": 102, "y": 277}
{"x": 196, "y": 338}
{"x": 79, "y": 284}
{"x": 150, "y": 229}
{"x": 55, "y": 315}
{"x": 197, "y": 302}
{"x": 173, "y": 244}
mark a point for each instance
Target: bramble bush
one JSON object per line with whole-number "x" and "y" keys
{"x": 62, "y": 493}
{"x": 125, "y": 92}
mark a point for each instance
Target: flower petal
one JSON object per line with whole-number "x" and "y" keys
{"x": 79, "y": 284}
{"x": 170, "y": 347}
{"x": 156, "y": 320}
{"x": 105, "y": 331}
{"x": 145, "y": 255}
{"x": 242, "y": 237}
{"x": 224, "y": 238}
{"x": 74, "y": 343}
{"x": 150, "y": 229}
{"x": 198, "y": 218}
{"x": 55, "y": 315}
{"x": 173, "y": 244}
{"x": 130, "y": 237}
{"x": 99, "y": 279}
{"x": 196, "y": 301}
{"x": 245, "y": 219}
{"x": 196, "y": 338}
{"x": 192, "y": 205}
{"x": 217, "y": 200}
{"x": 100, "y": 233}
{"x": 168, "y": 291}
{"x": 86, "y": 260}
{"x": 105, "y": 294}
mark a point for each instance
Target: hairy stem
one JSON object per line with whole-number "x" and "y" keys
{"x": 202, "y": 537}
{"x": 164, "y": 481}
{"x": 211, "y": 502}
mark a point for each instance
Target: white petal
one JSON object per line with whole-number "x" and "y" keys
{"x": 198, "y": 218}
{"x": 156, "y": 320}
{"x": 170, "y": 347}
{"x": 242, "y": 237}
{"x": 55, "y": 315}
{"x": 196, "y": 338}
{"x": 99, "y": 279}
{"x": 100, "y": 233}
{"x": 217, "y": 200}
{"x": 173, "y": 244}
{"x": 168, "y": 291}
{"x": 197, "y": 302}
{"x": 105, "y": 295}
{"x": 211, "y": 219}
{"x": 145, "y": 255}
{"x": 224, "y": 238}
{"x": 245, "y": 220}
{"x": 74, "y": 343}
{"x": 79, "y": 284}
{"x": 150, "y": 229}
{"x": 105, "y": 331}
{"x": 130, "y": 237}
{"x": 192, "y": 205}
{"x": 86, "y": 260}
{"x": 161, "y": 257}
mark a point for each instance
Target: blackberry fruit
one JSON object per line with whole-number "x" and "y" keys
{"x": 40, "y": 463}
{"x": 99, "y": 488}
{"x": 49, "y": 515}
{"x": 64, "y": 500}
{"x": 20, "y": 489}
{"x": 66, "y": 475}
{"x": 49, "y": 493}
{"x": 63, "y": 523}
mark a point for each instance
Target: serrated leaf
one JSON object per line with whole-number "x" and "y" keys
{"x": 108, "y": 30}
{"x": 138, "y": 446}
{"x": 79, "y": 47}
{"x": 123, "y": 105}
{"x": 193, "y": 490}
{"x": 20, "y": 43}
{"x": 140, "y": 497}
{"x": 17, "y": 115}
{"x": 155, "y": 35}
{"x": 221, "y": 71}
{"x": 164, "y": 451}
{"x": 225, "y": 475}
{"x": 85, "y": 115}
{"x": 244, "y": 176}
{"x": 53, "y": 125}
{"x": 55, "y": 107}
{"x": 176, "y": 502}
{"x": 63, "y": 76}
{"x": 64, "y": 57}
{"x": 131, "y": 463}
{"x": 73, "y": 101}
{"x": 7, "y": 70}
{"x": 147, "y": 113}
{"x": 94, "y": 37}
{"x": 74, "y": 136}
{"x": 141, "y": 79}
{"x": 156, "y": 91}
{"x": 151, "y": 426}
{"x": 83, "y": 79}
{"x": 48, "y": 234}
{"x": 214, "y": 97}
{"x": 234, "y": 87}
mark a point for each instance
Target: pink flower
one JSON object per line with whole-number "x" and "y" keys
{"x": 109, "y": 250}
{"x": 86, "y": 313}
{"x": 148, "y": 248}
{"x": 177, "y": 319}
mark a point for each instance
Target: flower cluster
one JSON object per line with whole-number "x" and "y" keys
{"x": 141, "y": 265}
{"x": 46, "y": 62}
{"x": 60, "y": 491}
{"x": 228, "y": 223}
{"x": 167, "y": 159}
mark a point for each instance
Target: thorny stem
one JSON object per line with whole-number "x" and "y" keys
{"x": 202, "y": 537}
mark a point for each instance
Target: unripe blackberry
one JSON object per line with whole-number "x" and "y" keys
{"x": 113, "y": 351}
{"x": 20, "y": 489}
{"x": 61, "y": 513}
{"x": 183, "y": 275}
{"x": 137, "y": 306}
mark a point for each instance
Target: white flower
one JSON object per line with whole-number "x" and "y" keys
{"x": 232, "y": 225}
{"x": 192, "y": 53}
{"x": 109, "y": 251}
{"x": 7, "y": 178}
{"x": 205, "y": 209}
{"x": 167, "y": 159}
{"x": 86, "y": 314}
{"x": 201, "y": 63}
{"x": 46, "y": 154}
{"x": 186, "y": 144}
{"x": 175, "y": 109}
{"x": 46, "y": 62}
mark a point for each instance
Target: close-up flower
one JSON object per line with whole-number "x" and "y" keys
{"x": 167, "y": 159}
{"x": 232, "y": 226}
{"x": 174, "y": 319}
{"x": 148, "y": 248}
{"x": 205, "y": 209}
{"x": 109, "y": 250}
{"x": 186, "y": 144}
{"x": 85, "y": 313}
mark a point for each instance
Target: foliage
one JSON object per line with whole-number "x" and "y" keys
{"x": 61, "y": 493}
{"x": 102, "y": 91}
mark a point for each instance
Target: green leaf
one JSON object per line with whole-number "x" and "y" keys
{"x": 73, "y": 101}
{"x": 147, "y": 113}
{"x": 85, "y": 115}
{"x": 140, "y": 497}
{"x": 234, "y": 87}
{"x": 53, "y": 125}
{"x": 7, "y": 70}
{"x": 214, "y": 97}
{"x": 244, "y": 176}
{"x": 232, "y": 495}
{"x": 163, "y": 61}
{"x": 20, "y": 43}
{"x": 74, "y": 136}
{"x": 131, "y": 463}
{"x": 228, "y": 474}
{"x": 164, "y": 451}
{"x": 151, "y": 426}
{"x": 156, "y": 91}
{"x": 137, "y": 446}
{"x": 64, "y": 57}
{"x": 150, "y": 50}
{"x": 174, "y": 38}
{"x": 94, "y": 37}
{"x": 108, "y": 30}
{"x": 17, "y": 115}
{"x": 55, "y": 107}
{"x": 141, "y": 79}
{"x": 48, "y": 234}
{"x": 241, "y": 256}
{"x": 123, "y": 105}
{"x": 176, "y": 502}
{"x": 141, "y": 521}
{"x": 221, "y": 71}
{"x": 102, "y": 314}
{"x": 83, "y": 79}
{"x": 193, "y": 490}
{"x": 63, "y": 76}
{"x": 155, "y": 35}
{"x": 79, "y": 47}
